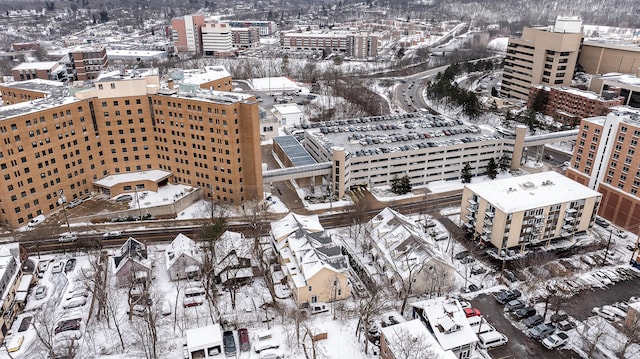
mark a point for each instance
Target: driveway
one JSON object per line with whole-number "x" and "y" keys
{"x": 519, "y": 346}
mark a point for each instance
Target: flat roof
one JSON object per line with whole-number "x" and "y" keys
{"x": 40, "y": 85}
{"x": 294, "y": 151}
{"x": 288, "y": 109}
{"x": 151, "y": 175}
{"x": 399, "y": 132}
{"x": 531, "y": 191}
{"x": 210, "y": 73}
{"x": 40, "y": 65}
{"x": 204, "y": 337}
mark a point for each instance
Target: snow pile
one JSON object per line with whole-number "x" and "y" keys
{"x": 498, "y": 44}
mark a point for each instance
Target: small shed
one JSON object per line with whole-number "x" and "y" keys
{"x": 205, "y": 342}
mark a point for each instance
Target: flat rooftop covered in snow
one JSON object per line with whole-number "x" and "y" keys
{"x": 40, "y": 85}
{"x": 210, "y": 73}
{"x": 537, "y": 190}
{"x": 152, "y": 175}
{"x": 204, "y": 338}
{"x": 39, "y": 65}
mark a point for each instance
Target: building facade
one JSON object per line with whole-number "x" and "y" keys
{"x": 570, "y": 105}
{"x": 526, "y": 211}
{"x": 23, "y": 91}
{"x": 245, "y": 38}
{"x": 10, "y": 278}
{"x": 86, "y": 63}
{"x": 598, "y": 58}
{"x": 358, "y": 45}
{"x": 604, "y": 159}
{"x": 49, "y": 70}
{"x": 265, "y": 28}
{"x": 626, "y": 86}
{"x": 217, "y": 39}
{"x": 122, "y": 123}
{"x": 186, "y": 35}
{"x": 541, "y": 56}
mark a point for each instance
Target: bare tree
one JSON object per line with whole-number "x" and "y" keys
{"x": 211, "y": 233}
{"x": 45, "y": 324}
{"x": 406, "y": 272}
{"x": 631, "y": 331}
{"x": 369, "y": 307}
{"x": 591, "y": 333}
{"x": 409, "y": 345}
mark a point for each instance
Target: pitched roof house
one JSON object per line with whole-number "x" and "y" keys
{"x": 234, "y": 264}
{"x": 183, "y": 258}
{"x": 401, "y": 251}
{"x": 411, "y": 337}
{"x": 314, "y": 267}
{"x": 130, "y": 263}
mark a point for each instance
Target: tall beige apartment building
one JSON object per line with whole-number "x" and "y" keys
{"x": 542, "y": 56}
{"x": 126, "y": 122}
{"x": 531, "y": 210}
{"x": 605, "y": 160}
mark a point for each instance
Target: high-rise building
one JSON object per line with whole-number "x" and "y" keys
{"x": 126, "y": 122}
{"x": 605, "y": 159}
{"x": 185, "y": 33}
{"x": 542, "y": 56}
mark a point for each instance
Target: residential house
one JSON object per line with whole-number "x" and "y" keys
{"x": 402, "y": 252}
{"x": 183, "y": 258}
{"x": 313, "y": 266}
{"x": 233, "y": 265}
{"x": 130, "y": 263}
{"x": 447, "y": 322}
{"x": 411, "y": 337}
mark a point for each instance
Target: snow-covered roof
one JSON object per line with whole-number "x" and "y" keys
{"x": 287, "y": 109}
{"x": 151, "y": 175}
{"x": 448, "y": 322}
{"x": 126, "y": 74}
{"x": 131, "y": 249}
{"x": 400, "y": 335}
{"x": 182, "y": 245}
{"x": 203, "y": 338}
{"x": 292, "y": 222}
{"x": 537, "y": 190}
{"x": 40, "y": 65}
{"x": 208, "y": 74}
{"x": 275, "y": 84}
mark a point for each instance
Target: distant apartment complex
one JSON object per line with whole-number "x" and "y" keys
{"x": 531, "y": 210}
{"x": 125, "y": 122}
{"x": 605, "y": 159}
{"x": 542, "y": 56}
{"x": 216, "y": 39}
{"x": 265, "y": 28}
{"x": 570, "y": 105}
{"x": 86, "y": 63}
{"x": 353, "y": 44}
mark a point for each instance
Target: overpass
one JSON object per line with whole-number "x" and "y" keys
{"x": 289, "y": 173}
{"x": 539, "y": 140}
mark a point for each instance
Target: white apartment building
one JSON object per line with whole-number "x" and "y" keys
{"x": 217, "y": 39}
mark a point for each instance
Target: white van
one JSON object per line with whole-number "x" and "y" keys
{"x": 492, "y": 340}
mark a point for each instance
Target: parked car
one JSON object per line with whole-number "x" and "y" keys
{"x": 57, "y": 267}
{"x": 43, "y": 266}
{"x": 472, "y": 312}
{"x": 602, "y": 222}
{"x": 473, "y": 288}
{"x": 112, "y": 235}
{"x": 76, "y": 202}
{"x": 36, "y": 220}
{"x": 525, "y": 312}
{"x": 70, "y": 265}
{"x": 467, "y": 259}
{"x": 69, "y": 324}
{"x": 533, "y": 320}
{"x": 558, "y": 317}
{"x": 68, "y": 237}
{"x": 15, "y": 343}
{"x": 621, "y": 233}
{"x": 123, "y": 198}
{"x": 542, "y": 331}
{"x": 74, "y": 303}
{"x": 507, "y": 296}
{"x": 138, "y": 310}
{"x": 41, "y": 292}
{"x": 461, "y": 255}
{"x": 191, "y": 302}
{"x": 616, "y": 311}
{"x": 514, "y": 305}
{"x": 555, "y": 340}
{"x": 565, "y": 325}
{"x": 604, "y": 313}
{"x": 229, "y": 342}
{"x": 243, "y": 337}
{"x": 477, "y": 270}
{"x": 272, "y": 354}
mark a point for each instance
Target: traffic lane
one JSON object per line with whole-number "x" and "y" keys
{"x": 520, "y": 345}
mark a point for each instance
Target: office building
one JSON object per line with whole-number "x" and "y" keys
{"x": 545, "y": 56}
{"x": 604, "y": 159}
{"x": 245, "y": 38}
{"x": 626, "y": 86}
{"x": 126, "y": 122}
{"x": 217, "y": 39}
{"x": 527, "y": 211}
{"x": 598, "y": 58}
{"x": 265, "y": 28}
{"x": 47, "y": 70}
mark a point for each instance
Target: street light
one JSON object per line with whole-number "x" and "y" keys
{"x": 61, "y": 201}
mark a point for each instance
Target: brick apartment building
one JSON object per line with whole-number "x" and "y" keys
{"x": 86, "y": 63}
{"x": 605, "y": 159}
{"x": 570, "y": 105}
{"x": 126, "y": 122}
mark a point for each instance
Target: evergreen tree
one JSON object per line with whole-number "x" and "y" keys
{"x": 492, "y": 169}
{"x": 504, "y": 163}
{"x": 401, "y": 185}
{"x": 466, "y": 173}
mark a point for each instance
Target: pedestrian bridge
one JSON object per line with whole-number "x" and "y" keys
{"x": 289, "y": 173}
{"x": 539, "y": 140}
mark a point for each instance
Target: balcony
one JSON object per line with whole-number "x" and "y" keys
{"x": 571, "y": 210}
{"x": 470, "y": 218}
{"x": 472, "y": 202}
{"x": 472, "y": 209}
{"x": 489, "y": 214}
{"x": 569, "y": 219}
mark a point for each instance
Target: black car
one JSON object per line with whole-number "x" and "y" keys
{"x": 461, "y": 255}
{"x": 533, "y": 320}
{"x": 526, "y": 312}
{"x": 558, "y": 317}
{"x": 24, "y": 324}
{"x": 229, "y": 341}
{"x": 70, "y": 265}
{"x": 65, "y": 325}
{"x": 473, "y": 288}
{"x": 507, "y": 296}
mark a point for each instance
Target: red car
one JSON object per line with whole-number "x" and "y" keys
{"x": 243, "y": 335}
{"x": 471, "y": 312}
{"x": 191, "y": 302}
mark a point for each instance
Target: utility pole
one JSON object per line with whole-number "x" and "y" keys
{"x": 606, "y": 252}
{"x": 62, "y": 200}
